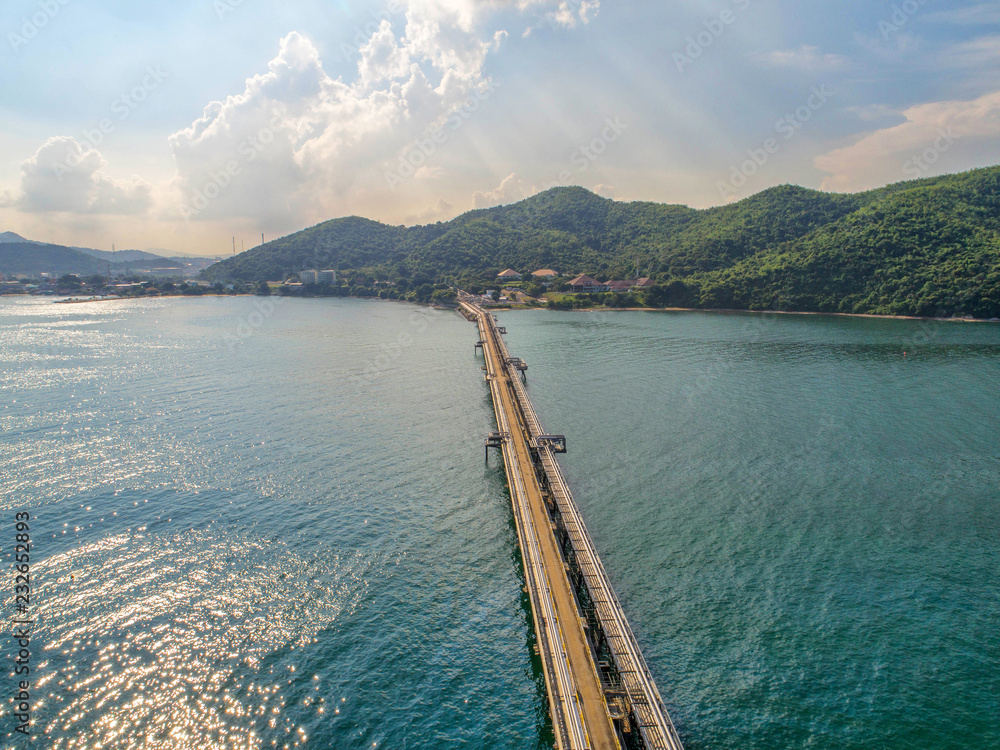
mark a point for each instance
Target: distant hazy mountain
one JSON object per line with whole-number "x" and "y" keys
{"x": 926, "y": 247}
{"x": 33, "y": 258}
{"x": 30, "y": 257}
{"x": 12, "y": 237}
{"x": 147, "y": 259}
{"x": 193, "y": 262}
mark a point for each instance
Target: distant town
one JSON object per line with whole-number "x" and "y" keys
{"x": 548, "y": 286}
{"x": 542, "y": 287}
{"x": 97, "y": 286}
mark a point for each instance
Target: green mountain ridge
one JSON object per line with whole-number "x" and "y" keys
{"x": 927, "y": 247}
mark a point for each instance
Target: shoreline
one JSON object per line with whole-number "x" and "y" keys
{"x": 761, "y": 312}
{"x": 521, "y": 308}
{"x": 116, "y": 298}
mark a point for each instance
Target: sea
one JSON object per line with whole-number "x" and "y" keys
{"x": 271, "y": 523}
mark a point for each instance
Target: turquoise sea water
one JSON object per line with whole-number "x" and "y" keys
{"x": 269, "y": 523}
{"x": 803, "y": 525}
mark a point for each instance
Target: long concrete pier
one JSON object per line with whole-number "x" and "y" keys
{"x": 600, "y": 692}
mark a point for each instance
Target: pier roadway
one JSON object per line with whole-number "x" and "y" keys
{"x": 580, "y": 716}
{"x": 579, "y": 622}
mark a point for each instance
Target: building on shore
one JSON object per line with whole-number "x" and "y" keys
{"x": 312, "y": 276}
{"x": 12, "y": 287}
{"x": 619, "y": 286}
{"x": 544, "y": 273}
{"x": 584, "y": 284}
{"x": 509, "y": 275}
{"x": 160, "y": 273}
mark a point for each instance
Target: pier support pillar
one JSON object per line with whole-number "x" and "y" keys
{"x": 495, "y": 440}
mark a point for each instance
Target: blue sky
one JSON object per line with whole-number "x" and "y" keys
{"x": 178, "y": 126}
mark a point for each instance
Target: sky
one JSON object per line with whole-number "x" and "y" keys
{"x": 179, "y": 126}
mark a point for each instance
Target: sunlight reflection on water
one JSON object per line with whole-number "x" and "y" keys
{"x": 187, "y": 644}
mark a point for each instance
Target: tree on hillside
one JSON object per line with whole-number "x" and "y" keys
{"x": 423, "y": 293}
{"x": 444, "y": 296}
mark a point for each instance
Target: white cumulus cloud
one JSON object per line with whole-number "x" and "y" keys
{"x": 65, "y": 175}
{"x": 297, "y": 144}
{"x": 382, "y": 58}
{"x": 440, "y": 211}
{"x": 292, "y": 131}
{"x": 567, "y": 14}
{"x": 510, "y": 190}
{"x": 890, "y": 154}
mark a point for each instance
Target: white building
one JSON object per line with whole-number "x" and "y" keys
{"x": 309, "y": 277}
{"x": 326, "y": 277}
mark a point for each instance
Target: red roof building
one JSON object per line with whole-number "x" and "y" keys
{"x": 585, "y": 284}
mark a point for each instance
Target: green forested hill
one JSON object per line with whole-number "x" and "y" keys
{"x": 927, "y": 247}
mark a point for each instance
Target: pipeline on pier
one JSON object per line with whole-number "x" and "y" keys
{"x": 600, "y": 691}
